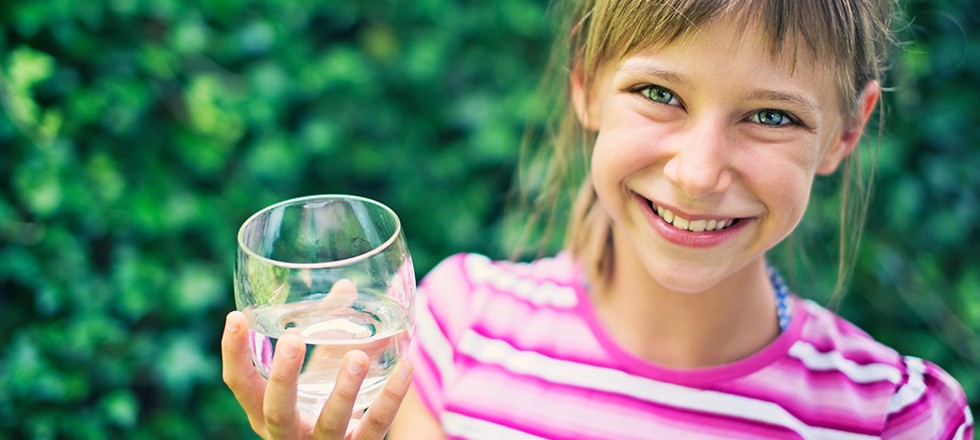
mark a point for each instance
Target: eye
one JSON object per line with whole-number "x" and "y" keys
{"x": 772, "y": 118}
{"x": 659, "y": 94}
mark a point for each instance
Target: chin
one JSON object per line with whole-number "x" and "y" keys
{"x": 687, "y": 285}
{"x": 685, "y": 278}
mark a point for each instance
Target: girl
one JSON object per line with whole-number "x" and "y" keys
{"x": 705, "y": 124}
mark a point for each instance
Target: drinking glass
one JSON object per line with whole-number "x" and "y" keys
{"x": 336, "y": 270}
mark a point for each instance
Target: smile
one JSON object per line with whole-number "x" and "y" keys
{"x": 700, "y": 225}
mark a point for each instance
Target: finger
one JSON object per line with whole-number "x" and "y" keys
{"x": 344, "y": 285}
{"x": 343, "y": 293}
{"x": 336, "y": 413}
{"x": 378, "y": 418}
{"x": 281, "y": 415}
{"x": 237, "y": 369}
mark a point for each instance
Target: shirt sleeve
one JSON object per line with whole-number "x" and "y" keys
{"x": 929, "y": 404}
{"x": 442, "y": 305}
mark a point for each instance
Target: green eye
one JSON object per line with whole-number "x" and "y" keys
{"x": 658, "y": 94}
{"x": 771, "y": 117}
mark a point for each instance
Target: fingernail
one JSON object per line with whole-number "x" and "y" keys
{"x": 232, "y": 327}
{"x": 289, "y": 351}
{"x": 404, "y": 372}
{"x": 354, "y": 366}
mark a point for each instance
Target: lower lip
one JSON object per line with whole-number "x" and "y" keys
{"x": 704, "y": 239}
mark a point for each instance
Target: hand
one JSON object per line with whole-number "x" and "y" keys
{"x": 271, "y": 405}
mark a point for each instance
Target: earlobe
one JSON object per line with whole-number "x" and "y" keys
{"x": 852, "y": 132}
{"x": 580, "y": 98}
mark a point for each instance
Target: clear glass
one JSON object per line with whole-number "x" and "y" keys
{"x": 336, "y": 270}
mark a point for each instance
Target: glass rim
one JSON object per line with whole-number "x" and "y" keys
{"x": 326, "y": 264}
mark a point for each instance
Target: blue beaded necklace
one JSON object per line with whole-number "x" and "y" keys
{"x": 783, "y": 311}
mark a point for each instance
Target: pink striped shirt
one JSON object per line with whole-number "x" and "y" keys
{"x": 514, "y": 351}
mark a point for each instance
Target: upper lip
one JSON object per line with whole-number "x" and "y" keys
{"x": 686, "y": 215}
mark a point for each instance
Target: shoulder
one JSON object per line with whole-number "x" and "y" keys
{"x": 912, "y": 397}
{"x": 466, "y": 287}
{"x": 559, "y": 267}
{"x": 539, "y": 281}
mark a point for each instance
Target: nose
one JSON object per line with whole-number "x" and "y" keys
{"x": 700, "y": 165}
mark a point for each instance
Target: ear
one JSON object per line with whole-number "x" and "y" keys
{"x": 851, "y": 134}
{"x": 585, "y": 108}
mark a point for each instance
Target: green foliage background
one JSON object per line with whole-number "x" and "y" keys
{"x": 136, "y": 136}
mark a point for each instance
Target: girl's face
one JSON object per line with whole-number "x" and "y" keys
{"x": 707, "y": 150}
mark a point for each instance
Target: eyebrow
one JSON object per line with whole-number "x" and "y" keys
{"x": 647, "y": 70}
{"x": 792, "y": 99}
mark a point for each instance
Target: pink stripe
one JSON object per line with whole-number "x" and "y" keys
{"x": 429, "y": 393}
{"x": 700, "y": 377}
{"x": 593, "y": 359}
{"x": 858, "y": 356}
{"x": 449, "y": 277}
{"x": 424, "y": 364}
{"x": 847, "y": 409}
{"x": 855, "y": 350}
{"x": 538, "y": 279}
{"x": 828, "y": 332}
{"x": 497, "y": 292}
{"x": 537, "y": 427}
{"x": 426, "y": 379}
{"x": 616, "y": 411}
{"x": 912, "y": 412}
{"x": 941, "y": 405}
{"x": 817, "y": 401}
{"x": 537, "y": 276}
{"x": 823, "y": 378}
{"x": 552, "y": 333}
{"x": 957, "y": 421}
{"x": 561, "y": 268}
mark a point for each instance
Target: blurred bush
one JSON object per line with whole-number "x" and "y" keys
{"x": 917, "y": 283}
{"x": 136, "y": 136}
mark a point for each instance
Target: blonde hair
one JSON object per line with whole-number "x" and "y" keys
{"x": 852, "y": 36}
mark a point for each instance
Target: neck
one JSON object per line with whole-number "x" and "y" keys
{"x": 721, "y": 324}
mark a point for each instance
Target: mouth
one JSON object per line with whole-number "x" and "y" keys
{"x": 695, "y": 225}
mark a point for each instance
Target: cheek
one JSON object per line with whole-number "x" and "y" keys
{"x": 605, "y": 169}
{"x": 785, "y": 190}
{"x": 626, "y": 144}
{"x": 610, "y": 170}
{"x": 614, "y": 159}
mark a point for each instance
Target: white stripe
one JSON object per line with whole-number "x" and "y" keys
{"x": 913, "y": 389}
{"x": 534, "y": 364}
{"x": 476, "y": 429}
{"x": 961, "y": 433}
{"x": 833, "y": 360}
{"x": 480, "y": 269}
{"x": 436, "y": 345}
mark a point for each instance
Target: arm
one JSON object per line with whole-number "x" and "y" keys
{"x": 930, "y": 404}
{"x": 414, "y": 421}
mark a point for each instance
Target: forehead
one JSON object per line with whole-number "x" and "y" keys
{"x": 738, "y": 34}
{"x": 793, "y": 35}
{"x": 730, "y": 64}
{"x": 738, "y": 52}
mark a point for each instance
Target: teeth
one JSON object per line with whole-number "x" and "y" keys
{"x": 692, "y": 225}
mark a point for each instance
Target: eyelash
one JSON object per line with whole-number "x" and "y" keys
{"x": 645, "y": 89}
{"x": 789, "y": 118}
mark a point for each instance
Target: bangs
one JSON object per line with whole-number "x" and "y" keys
{"x": 830, "y": 32}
